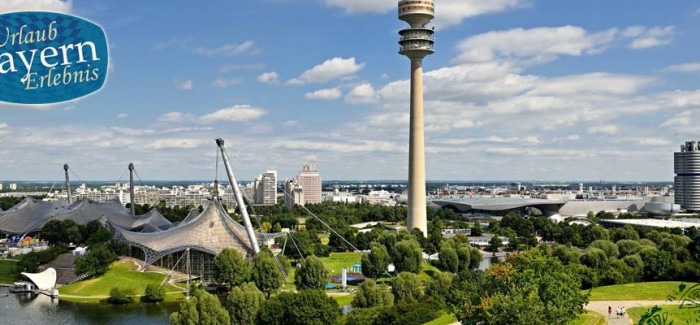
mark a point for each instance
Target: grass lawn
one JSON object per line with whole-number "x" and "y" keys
{"x": 121, "y": 274}
{"x": 445, "y": 319}
{"x": 635, "y": 291}
{"x": 343, "y": 300}
{"x": 7, "y": 271}
{"x": 337, "y": 261}
{"x": 673, "y": 312}
{"x": 589, "y": 318}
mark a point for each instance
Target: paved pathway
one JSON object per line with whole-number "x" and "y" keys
{"x": 601, "y": 307}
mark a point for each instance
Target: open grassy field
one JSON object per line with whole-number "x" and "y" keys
{"x": 343, "y": 300}
{"x": 635, "y": 291}
{"x": 445, "y": 319}
{"x": 337, "y": 261}
{"x": 121, "y": 274}
{"x": 590, "y": 318}
{"x": 672, "y": 312}
{"x": 7, "y": 271}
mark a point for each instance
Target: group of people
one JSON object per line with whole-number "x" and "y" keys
{"x": 620, "y": 311}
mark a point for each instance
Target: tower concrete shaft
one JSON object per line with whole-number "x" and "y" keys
{"x": 417, "y": 217}
{"x": 416, "y": 43}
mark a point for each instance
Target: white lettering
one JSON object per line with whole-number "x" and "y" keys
{"x": 28, "y": 65}
{"x": 9, "y": 61}
{"x": 44, "y": 56}
{"x": 80, "y": 51}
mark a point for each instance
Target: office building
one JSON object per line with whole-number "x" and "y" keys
{"x": 686, "y": 165}
{"x": 310, "y": 181}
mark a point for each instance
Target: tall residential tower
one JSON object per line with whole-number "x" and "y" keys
{"x": 686, "y": 184}
{"x": 416, "y": 43}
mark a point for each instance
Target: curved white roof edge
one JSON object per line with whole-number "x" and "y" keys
{"x": 44, "y": 281}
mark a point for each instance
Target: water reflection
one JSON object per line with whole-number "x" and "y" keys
{"x": 28, "y": 308}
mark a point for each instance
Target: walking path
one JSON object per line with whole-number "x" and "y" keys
{"x": 601, "y": 307}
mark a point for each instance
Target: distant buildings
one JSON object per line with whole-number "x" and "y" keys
{"x": 266, "y": 188}
{"x": 686, "y": 165}
{"x": 293, "y": 193}
{"x": 310, "y": 181}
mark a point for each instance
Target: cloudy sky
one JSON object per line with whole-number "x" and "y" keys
{"x": 517, "y": 90}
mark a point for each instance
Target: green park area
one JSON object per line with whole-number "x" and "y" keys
{"x": 590, "y": 318}
{"x": 7, "y": 271}
{"x": 635, "y": 291}
{"x": 122, "y": 274}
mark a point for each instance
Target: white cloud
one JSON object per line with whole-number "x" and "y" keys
{"x": 271, "y": 78}
{"x": 648, "y": 38}
{"x": 225, "y": 83}
{"x": 122, "y": 115}
{"x": 536, "y": 44}
{"x": 4, "y": 126}
{"x": 324, "y": 94}
{"x": 362, "y": 94}
{"x": 184, "y": 84}
{"x": 605, "y": 129}
{"x": 654, "y": 142}
{"x": 363, "y": 6}
{"x": 685, "y": 67}
{"x": 176, "y": 117}
{"x": 246, "y": 47}
{"x": 684, "y": 118}
{"x": 63, "y": 6}
{"x": 292, "y": 123}
{"x": 238, "y": 113}
{"x": 328, "y": 70}
{"x": 448, "y": 12}
{"x": 177, "y": 143}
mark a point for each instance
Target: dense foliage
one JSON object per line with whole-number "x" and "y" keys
{"x": 243, "y": 304}
{"x": 202, "y": 308}
{"x": 231, "y": 268}
{"x": 311, "y": 274}
{"x": 120, "y": 296}
{"x": 30, "y": 262}
{"x": 153, "y": 293}
{"x": 266, "y": 273}
{"x": 312, "y": 307}
{"x": 95, "y": 261}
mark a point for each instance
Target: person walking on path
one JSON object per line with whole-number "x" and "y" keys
{"x": 609, "y": 311}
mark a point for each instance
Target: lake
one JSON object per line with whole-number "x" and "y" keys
{"x": 40, "y": 309}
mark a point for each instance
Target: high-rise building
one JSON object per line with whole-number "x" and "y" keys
{"x": 416, "y": 43}
{"x": 266, "y": 188}
{"x": 293, "y": 193}
{"x": 686, "y": 184}
{"x": 310, "y": 181}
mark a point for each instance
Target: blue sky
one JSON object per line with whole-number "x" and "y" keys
{"x": 517, "y": 90}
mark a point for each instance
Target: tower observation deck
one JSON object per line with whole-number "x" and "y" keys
{"x": 417, "y": 41}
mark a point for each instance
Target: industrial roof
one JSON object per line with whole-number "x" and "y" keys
{"x": 654, "y": 223}
{"x": 465, "y": 204}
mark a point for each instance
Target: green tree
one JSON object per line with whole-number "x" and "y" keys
{"x": 610, "y": 248}
{"x": 154, "y": 293}
{"x": 311, "y": 274}
{"x": 231, "y": 268}
{"x": 374, "y": 264}
{"x": 407, "y": 256}
{"x": 448, "y": 260}
{"x": 531, "y": 287}
{"x": 407, "y": 288}
{"x": 495, "y": 244}
{"x": 61, "y": 231}
{"x": 266, "y": 273}
{"x": 311, "y": 307}
{"x": 243, "y": 304}
{"x": 370, "y": 294}
{"x": 439, "y": 285}
{"x": 96, "y": 261}
{"x": 120, "y": 296}
{"x": 202, "y": 308}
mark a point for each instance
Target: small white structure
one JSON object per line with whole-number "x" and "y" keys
{"x": 79, "y": 251}
{"x": 43, "y": 281}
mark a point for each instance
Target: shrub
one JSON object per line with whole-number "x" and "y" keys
{"x": 153, "y": 293}
{"x": 120, "y": 296}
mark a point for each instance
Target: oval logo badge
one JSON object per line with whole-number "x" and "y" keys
{"x": 47, "y": 57}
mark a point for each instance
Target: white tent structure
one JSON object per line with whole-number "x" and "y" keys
{"x": 43, "y": 281}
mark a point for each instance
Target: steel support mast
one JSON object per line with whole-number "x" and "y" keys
{"x": 65, "y": 167}
{"x": 239, "y": 198}
{"x": 131, "y": 189}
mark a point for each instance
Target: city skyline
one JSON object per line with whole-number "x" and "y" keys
{"x": 516, "y": 90}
